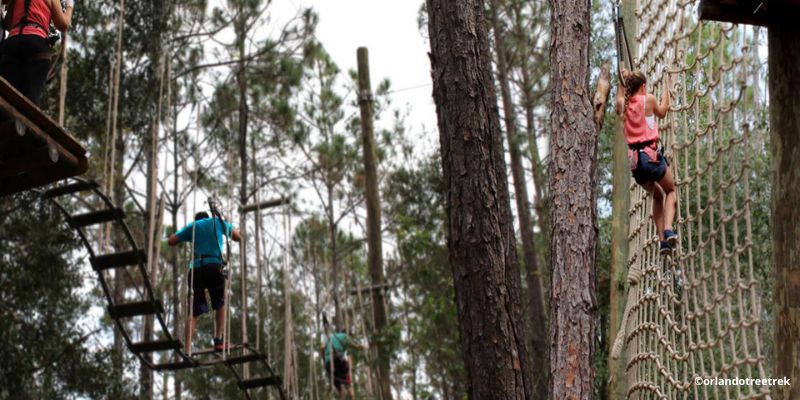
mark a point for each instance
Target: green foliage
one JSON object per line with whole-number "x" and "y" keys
{"x": 47, "y": 353}
{"x": 415, "y": 196}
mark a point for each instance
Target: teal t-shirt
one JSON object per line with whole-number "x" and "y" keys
{"x": 340, "y": 341}
{"x": 205, "y": 243}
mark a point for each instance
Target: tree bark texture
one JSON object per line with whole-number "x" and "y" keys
{"x": 539, "y": 353}
{"x": 482, "y": 250}
{"x": 374, "y": 240}
{"x": 784, "y": 79}
{"x": 573, "y": 170}
{"x": 620, "y": 203}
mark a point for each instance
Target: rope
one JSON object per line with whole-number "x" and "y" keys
{"x": 623, "y": 47}
{"x": 695, "y": 314}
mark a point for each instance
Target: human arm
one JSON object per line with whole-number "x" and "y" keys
{"x": 183, "y": 235}
{"x": 661, "y": 109}
{"x": 232, "y": 232}
{"x": 62, "y": 18}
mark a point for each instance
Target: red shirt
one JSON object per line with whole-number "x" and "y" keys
{"x": 39, "y": 12}
{"x": 637, "y": 128}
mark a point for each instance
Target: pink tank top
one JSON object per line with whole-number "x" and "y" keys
{"x": 38, "y": 13}
{"x": 637, "y": 127}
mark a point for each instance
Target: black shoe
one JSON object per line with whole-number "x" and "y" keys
{"x": 665, "y": 249}
{"x": 219, "y": 344}
{"x": 671, "y": 238}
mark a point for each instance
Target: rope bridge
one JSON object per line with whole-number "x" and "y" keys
{"x": 696, "y": 314}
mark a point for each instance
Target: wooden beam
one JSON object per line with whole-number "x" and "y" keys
{"x": 34, "y": 116}
{"x": 265, "y": 204}
{"x": 751, "y": 12}
{"x": 43, "y": 157}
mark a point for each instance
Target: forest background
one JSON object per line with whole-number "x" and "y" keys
{"x": 241, "y": 99}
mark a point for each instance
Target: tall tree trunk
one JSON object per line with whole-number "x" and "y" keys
{"x": 573, "y": 170}
{"x": 338, "y": 318}
{"x": 480, "y": 228}
{"x": 374, "y": 240}
{"x": 529, "y": 101}
{"x": 620, "y": 203}
{"x": 784, "y": 79}
{"x": 114, "y": 185}
{"x": 146, "y": 374}
{"x": 173, "y": 259}
{"x": 539, "y": 355}
{"x": 241, "y": 80}
{"x": 118, "y": 190}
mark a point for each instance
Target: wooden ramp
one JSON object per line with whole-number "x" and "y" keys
{"x": 34, "y": 150}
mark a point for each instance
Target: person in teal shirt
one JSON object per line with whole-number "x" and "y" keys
{"x": 206, "y": 271}
{"x": 339, "y": 343}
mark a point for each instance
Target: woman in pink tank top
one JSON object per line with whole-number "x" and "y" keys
{"x": 25, "y": 54}
{"x": 649, "y": 167}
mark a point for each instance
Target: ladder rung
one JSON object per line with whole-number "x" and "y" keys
{"x": 156, "y": 345}
{"x": 174, "y": 366}
{"x": 242, "y": 359}
{"x": 116, "y": 260}
{"x": 69, "y": 189}
{"x": 127, "y": 310}
{"x": 79, "y": 221}
{"x": 260, "y": 382}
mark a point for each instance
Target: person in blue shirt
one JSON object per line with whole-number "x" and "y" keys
{"x": 207, "y": 268}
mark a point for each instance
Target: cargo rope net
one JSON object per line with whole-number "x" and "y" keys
{"x": 696, "y": 314}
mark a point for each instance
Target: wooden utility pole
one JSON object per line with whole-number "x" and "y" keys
{"x": 375, "y": 249}
{"x": 240, "y": 28}
{"x": 573, "y": 194}
{"x": 480, "y": 228}
{"x": 538, "y": 328}
{"x": 620, "y": 203}
{"x": 784, "y": 121}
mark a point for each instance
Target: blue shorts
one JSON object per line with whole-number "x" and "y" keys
{"x": 647, "y": 171}
{"x": 209, "y": 278}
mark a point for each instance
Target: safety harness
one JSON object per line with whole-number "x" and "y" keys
{"x": 212, "y": 205}
{"x": 24, "y": 22}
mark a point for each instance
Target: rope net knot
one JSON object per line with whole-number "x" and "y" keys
{"x": 696, "y": 314}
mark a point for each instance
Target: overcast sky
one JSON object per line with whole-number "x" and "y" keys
{"x": 397, "y": 49}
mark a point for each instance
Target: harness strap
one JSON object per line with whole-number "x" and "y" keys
{"x": 42, "y": 56}
{"x": 641, "y": 146}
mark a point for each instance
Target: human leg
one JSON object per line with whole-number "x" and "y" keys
{"x": 189, "y": 333}
{"x": 35, "y": 78}
{"x": 349, "y": 380}
{"x": 10, "y": 65}
{"x": 199, "y": 306}
{"x": 31, "y": 54}
{"x": 671, "y": 199}
{"x": 658, "y": 211}
{"x": 216, "y": 291}
{"x": 219, "y": 328}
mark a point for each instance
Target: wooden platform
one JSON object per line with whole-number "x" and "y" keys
{"x": 34, "y": 150}
{"x": 751, "y": 12}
